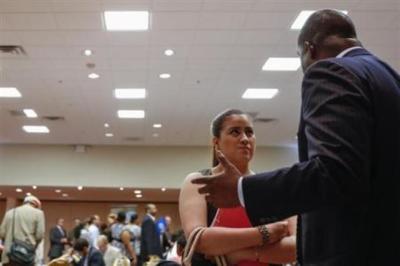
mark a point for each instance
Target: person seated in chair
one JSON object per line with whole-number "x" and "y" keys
{"x": 90, "y": 256}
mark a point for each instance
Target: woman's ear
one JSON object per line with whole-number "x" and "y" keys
{"x": 215, "y": 142}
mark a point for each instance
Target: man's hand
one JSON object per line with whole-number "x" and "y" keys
{"x": 277, "y": 231}
{"x": 221, "y": 189}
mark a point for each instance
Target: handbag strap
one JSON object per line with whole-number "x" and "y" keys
{"x": 190, "y": 248}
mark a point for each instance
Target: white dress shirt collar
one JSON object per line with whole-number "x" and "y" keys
{"x": 348, "y": 50}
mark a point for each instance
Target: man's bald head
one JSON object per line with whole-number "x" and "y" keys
{"x": 325, "y": 34}
{"x": 325, "y": 23}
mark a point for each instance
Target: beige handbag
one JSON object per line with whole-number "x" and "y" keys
{"x": 191, "y": 247}
{"x": 123, "y": 261}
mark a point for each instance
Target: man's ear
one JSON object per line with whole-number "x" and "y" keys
{"x": 313, "y": 50}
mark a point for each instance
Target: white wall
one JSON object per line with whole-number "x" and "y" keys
{"x": 105, "y": 166}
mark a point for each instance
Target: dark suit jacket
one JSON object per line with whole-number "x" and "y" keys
{"x": 150, "y": 242}
{"x": 56, "y": 247}
{"x": 346, "y": 187}
{"x": 95, "y": 258}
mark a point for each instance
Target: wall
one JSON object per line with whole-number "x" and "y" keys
{"x": 114, "y": 166}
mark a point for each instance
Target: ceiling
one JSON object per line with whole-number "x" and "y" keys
{"x": 220, "y": 47}
{"x": 91, "y": 194}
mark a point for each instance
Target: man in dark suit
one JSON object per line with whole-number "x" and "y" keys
{"x": 90, "y": 255}
{"x": 58, "y": 238}
{"x": 346, "y": 186}
{"x": 150, "y": 242}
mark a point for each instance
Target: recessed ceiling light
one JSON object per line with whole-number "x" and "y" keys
{"x": 165, "y": 75}
{"x": 30, "y": 113}
{"x": 19, "y": 190}
{"x": 163, "y": 189}
{"x": 282, "y": 64}
{"x": 137, "y": 191}
{"x": 36, "y": 129}
{"x": 87, "y": 52}
{"x": 65, "y": 195}
{"x": 106, "y": 125}
{"x": 169, "y": 52}
{"x": 303, "y": 16}
{"x": 121, "y": 188}
{"x": 28, "y": 194}
{"x": 93, "y": 76}
{"x": 6, "y": 92}
{"x": 34, "y": 187}
{"x": 130, "y": 113}
{"x": 58, "y": 190}
{"x": 157, "y": 125}
{"x": 130, "y": 93}
{"x": 139, "y": 196}
{"x": 80, "y": 188}
{"x": 126, "y": 20}
{"x": 259, "y": 93}
{"x": 109, "y": 135}
{"x": 155, "y": 135}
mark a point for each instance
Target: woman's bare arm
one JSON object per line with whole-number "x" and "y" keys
{"x": 216, "y": 240}
{"x": 283, "y": 251}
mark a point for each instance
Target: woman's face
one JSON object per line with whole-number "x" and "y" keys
{"x": 237, "y": 139}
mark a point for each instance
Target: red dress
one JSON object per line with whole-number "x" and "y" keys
{"x": 234, "y": 218}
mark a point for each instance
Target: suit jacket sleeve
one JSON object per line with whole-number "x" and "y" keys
{"x": 151, "y": 238}
{"x": 336, "y": 116}
{"x": 55, "y": 236}
{"x": 97, "y": 259}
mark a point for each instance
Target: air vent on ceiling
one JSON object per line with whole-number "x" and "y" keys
{"x": 253, "y": 115}
{"x": 264, "y": 120}
{"x": 12, "y": 49}
{"x": 133, "y": 138}
{"x": 53, "y": 118}
{"x": 16, "y": 113}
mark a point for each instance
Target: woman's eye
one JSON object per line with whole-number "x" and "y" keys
{"x": 249, "y": 133}
{"x": 235, "y": 132}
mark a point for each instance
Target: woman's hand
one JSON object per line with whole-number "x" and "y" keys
{"x": 277, "y": 231}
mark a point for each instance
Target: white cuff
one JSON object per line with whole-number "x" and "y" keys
{"x": 240, "y": 192}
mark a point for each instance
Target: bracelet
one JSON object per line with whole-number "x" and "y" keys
{"x": 263, "y": 229}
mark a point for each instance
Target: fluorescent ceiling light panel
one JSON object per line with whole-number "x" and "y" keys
{"x": 126, "y": 20}
{"x": 157, "y": 125}
{"x": 36, "y": 129}
{"x": 109, "y": 135}
{"x": 30, "y": 113}
{"x": 259, "y": 93}
{"x": 9, "y": 92}
{"x": 282, "y": 64}
{"x": 130, "y": 113}
{"x": 302, "y": 18}
{"x": 130, "y": 93}
{"x": 165, "y": 75}
{"x": 93, "y": 76}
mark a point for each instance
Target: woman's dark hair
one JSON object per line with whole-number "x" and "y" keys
{"x": 121, "y": 217}
{"x": 133, "y": 218}
{"x": 217, "y": 125}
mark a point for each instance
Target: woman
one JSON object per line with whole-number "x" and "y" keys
{"x": 229, "y": 231}
{"x": 123, "y": 238}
